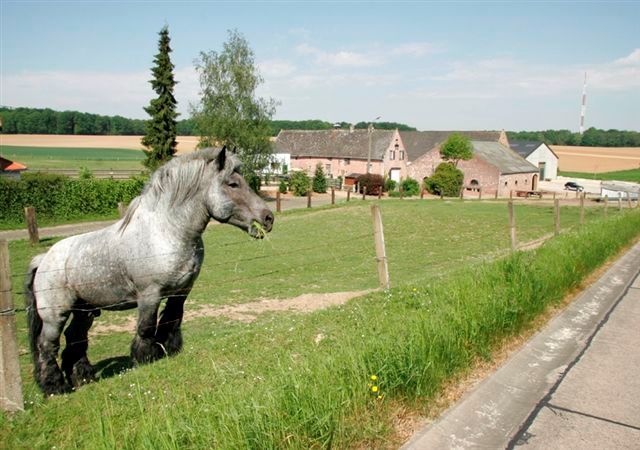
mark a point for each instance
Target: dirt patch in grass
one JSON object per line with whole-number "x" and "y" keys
{"x": 248, "y": 312}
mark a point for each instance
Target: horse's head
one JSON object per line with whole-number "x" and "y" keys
{"x": 230, "y": 199}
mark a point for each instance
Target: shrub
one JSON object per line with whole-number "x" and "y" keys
{"x": 57, "y": 197}
{"x": 372, "y": 182}
{"x": 410, "y": 187}
{"x": 319, "y": 180}
{"x": 253, "y": 180}
{"x": 85, "y": 173}
{"x": 389, "y": 185}
{"x": 299, "y": 183}
{"x": 447, "y": 180}
{"x": 283, "y": 187}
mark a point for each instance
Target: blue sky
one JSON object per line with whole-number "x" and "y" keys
{"x": 434, "y": 65}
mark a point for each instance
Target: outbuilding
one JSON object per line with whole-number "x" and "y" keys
{"x": 540, "y": 155}
{"x": 11, "y": 169}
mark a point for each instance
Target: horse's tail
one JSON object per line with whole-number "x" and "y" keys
{"x": 34, "y": 322}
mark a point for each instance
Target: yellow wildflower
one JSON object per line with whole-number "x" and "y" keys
{"x": 374, "y": 377}
{"x": 374, "y": 389}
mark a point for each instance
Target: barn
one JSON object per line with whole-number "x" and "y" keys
{"x": 540, "y": 155}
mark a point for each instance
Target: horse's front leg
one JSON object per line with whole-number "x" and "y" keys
{"x": 75, "y": 362}
{"x": 144, "y": 347}
{"x": 168, "y": 333}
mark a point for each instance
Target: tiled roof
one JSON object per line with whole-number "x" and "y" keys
{"x": 334, "y": 143}
{"x": 503, "y": 158}
{"x": 524, "y": 148}
{"x": 417, "y": 143}
{"x": 11, "y": 166}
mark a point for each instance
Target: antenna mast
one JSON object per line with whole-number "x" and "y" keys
{"x": 584, "y": 103}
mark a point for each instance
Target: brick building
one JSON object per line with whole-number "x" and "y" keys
{"x": 494, "y": 166}
{"x": 344, "y": 152}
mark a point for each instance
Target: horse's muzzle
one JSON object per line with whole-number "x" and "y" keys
{"x": 267, "y": 220}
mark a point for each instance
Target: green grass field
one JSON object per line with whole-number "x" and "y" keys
{"x": 73, "y": 158}
{"x": 303, "y": 381}
{"x": 632, "y": 175}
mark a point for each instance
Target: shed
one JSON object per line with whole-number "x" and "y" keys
{"x": 540, "y": 155}
{"x": 10, "y": 168}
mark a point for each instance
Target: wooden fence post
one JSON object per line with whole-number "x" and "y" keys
{"x": 582, "y": 209}
{"x": 556, "y": 215}
{"x": 401, "y": 192}
{"x": 619, "y": 202}
{"x": 10, "y": 381}
{"x": 441, "y": 195}
{"x": 32, "y": 224}
{"x": 364, "y": 192}
{"x": 512, "y": 226}
{"x": 381, "y": 256}
{"x": 629, "y": 199}
{"x": 496, "y": 197}
{"x": 479, "y": 193}
{"x": 333, "y": 196}
{"x": 309, "y": 198}
{"x": 461, "y": 192}
{"x": 278, "y": 202}
{"x": 554, "y": 196}
{"x": 606, "y": 205}
{"x": 510, "y": 194}
{"x": 380, "y": 193}
{"x": 348, "y": 194}
{"x": 421, "y": 193}
{"x": 122, "y": 209}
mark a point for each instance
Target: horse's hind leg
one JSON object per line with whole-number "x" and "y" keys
{"x": 75, "y": 362}
{"x": 47, "y": 373}
{"x": 144, "y": 347}
{"x": 168, "y": 333}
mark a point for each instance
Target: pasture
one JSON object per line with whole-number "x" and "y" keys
{"x": 39, "y": 158}
{"x": 286, "y": 380}
{"x": 631, "y": 175}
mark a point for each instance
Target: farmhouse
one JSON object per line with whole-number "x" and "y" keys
{"x": 11, "y": 169}
{"x": 540, "y": 155}
{"x": 345, "y": 152}
{"x": 494, "y": 168}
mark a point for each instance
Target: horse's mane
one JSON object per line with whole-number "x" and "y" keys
{"x": 179, "y": 179}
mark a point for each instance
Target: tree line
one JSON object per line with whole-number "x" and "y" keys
{"x": 48, "y": 121}
{"x": 593, "y": 137}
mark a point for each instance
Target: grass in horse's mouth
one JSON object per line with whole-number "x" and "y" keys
{"x": 261, "y": 232}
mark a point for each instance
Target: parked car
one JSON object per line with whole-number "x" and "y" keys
{"x": 573, "y": 186}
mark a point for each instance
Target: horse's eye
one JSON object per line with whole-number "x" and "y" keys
{"x": 233, "y": 184}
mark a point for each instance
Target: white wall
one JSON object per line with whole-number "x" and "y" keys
{"x": 545, "y": 155}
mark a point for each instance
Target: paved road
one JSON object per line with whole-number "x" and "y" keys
{"x": 574, "y": 385}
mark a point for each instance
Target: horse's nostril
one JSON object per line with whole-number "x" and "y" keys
{"x": 268, "y": 220}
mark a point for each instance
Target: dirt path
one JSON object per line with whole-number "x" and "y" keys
{"x": 247, "y": 312}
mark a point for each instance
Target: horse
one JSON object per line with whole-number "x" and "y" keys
{"x": 154, "y": 252}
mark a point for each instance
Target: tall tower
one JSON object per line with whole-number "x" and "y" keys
{"x": 583, "y": 109}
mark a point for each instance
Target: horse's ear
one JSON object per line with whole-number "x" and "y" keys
{"x": 221, "y": 159}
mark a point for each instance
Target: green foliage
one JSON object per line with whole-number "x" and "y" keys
{"x": 592, "y": 137}
{"x": 56, "y": 197}
{"x": 253, "y": 180}
{"x": 85, "y": 173}
{"x": 282, "y": 187}
{"x": 319, "y": 180}
{"x": 410, "y": 187}
{"x": 447, "y": 180}
{"x": 229, "y": 112}
{"x": 457, "y": 147}
{"x": 299, "y": 183}
{"x": 372, "y": 182}
{"x": 389, "y": 185}
{"x": 385, "y": 126}
{"x": 160, "y": 130}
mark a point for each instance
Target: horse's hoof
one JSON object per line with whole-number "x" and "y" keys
{"x": 82, "y": 373}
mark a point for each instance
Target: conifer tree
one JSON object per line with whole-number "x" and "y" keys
{"x": 160, "y": 130}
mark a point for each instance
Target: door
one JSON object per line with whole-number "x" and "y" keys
{"x": 394, "y": 174}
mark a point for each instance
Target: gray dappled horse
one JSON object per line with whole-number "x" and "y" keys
{"x": 154, "y": 252}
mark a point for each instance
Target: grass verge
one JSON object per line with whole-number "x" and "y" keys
{"x": 304, "y": 381}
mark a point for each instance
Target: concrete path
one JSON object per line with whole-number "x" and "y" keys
{"x": 574, "y": 385}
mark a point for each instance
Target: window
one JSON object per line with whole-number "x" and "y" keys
{"x": 392, "y": 155}
{"x": 401, "y": 155}
{"x": 327, "y": 169}
{"x": 347, "y": 161}
{"x": 516, "y": 182}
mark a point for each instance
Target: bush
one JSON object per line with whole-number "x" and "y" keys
{"x": 283, "y": 187}
{"x": 389, "y": 185}
{"x": 447, "y": 181}
{"x": 410, "y": 187}
{"x": 253, "y": 180}
{"x": 57, "y": 197}
{"x": 319, "y": 180}
{"x": 299, "y": 183}
{"x": 372, "y": 182}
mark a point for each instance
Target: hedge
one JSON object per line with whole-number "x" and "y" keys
{"x": 57, "y": 197}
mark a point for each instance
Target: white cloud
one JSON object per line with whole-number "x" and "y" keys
{"x": 415, "y": 49}
{"x": 632, "y": 59}
{"x": 276, "y": 68}
{"x": 339, "y": 58}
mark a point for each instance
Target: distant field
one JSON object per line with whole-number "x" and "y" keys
{"x": 73, "y": 158}
{"x": 592, "y": 160}
{"x": 186, "y": 144}
{"x": 632, "y": 175}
